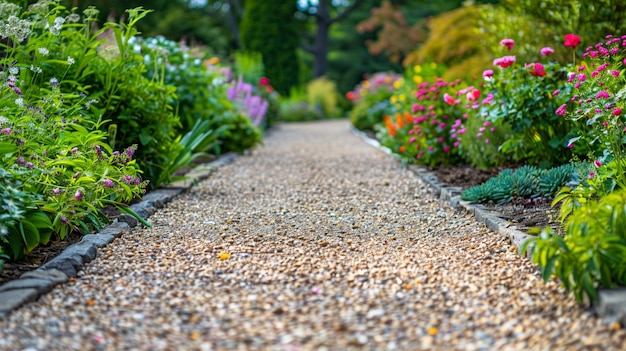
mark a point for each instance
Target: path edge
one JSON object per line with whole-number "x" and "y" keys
{"x": 611, "y": 304}
{"x": 33, "y": 284}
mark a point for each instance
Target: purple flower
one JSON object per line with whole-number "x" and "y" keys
{"x": 6, "y": 131}
{"x": 21, "y": 160}
{"x": 63, "y": 219}
{"x": 128, "y": 179}
{"x": 74, "y": 150}
{"x": 30, "y": 165}
{"x": 108, "y": 183}
{"x": 56, "y": 191}
{"x": 78, "y": 195}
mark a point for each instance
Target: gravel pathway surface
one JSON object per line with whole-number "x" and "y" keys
{"x": 332, "y": 245}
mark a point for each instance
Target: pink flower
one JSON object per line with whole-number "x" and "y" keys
{"x": 487, "y": 74}
{"x": 449, "y": 99}
{"x": 6, "y": 131}
{"x": 597, "y": 163}
{"x": 473, "y": 95}
{"x": 504, "y": 61}
{"x": 570, "y": 146}
{"x": 547, "y": 51}
{"x": 571, "y": 40}
{"x": 509, "y": 43}
{"x": 617, "y": 111}
{"x": 538, "y": 70}
{"x": 561, "y": 110}
{"x": 556, "y": 92}
{"x": 446, "y": 148}
{"x": 615, "y": 73}
{"x": 592, "y": 174}
{"x": 78, "y": 195}
{"x": 56, "y": 191}
{"x": 486, "y": 141}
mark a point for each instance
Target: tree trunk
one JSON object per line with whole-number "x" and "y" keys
{"x": 321, "y": 49}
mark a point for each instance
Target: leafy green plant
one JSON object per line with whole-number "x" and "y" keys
{"x": 592, "y": 253}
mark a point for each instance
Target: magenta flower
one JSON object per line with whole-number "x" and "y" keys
{"x": 556, "y": 92}
{"x": 571, "y": 40}
{"x": 6, "y": 131}
{"x": 561, "y": 110}
{"x": 509, "y": 43}
{"x": 617, "y": 111}
{"x": 615, "y": 73}
{"x": 488, "y": 74}
{"x": 547, "y": 51}
{"x": 597, "y": 163}
{"x": 602, "y": 95}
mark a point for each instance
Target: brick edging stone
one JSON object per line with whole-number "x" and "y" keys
{"x": 33, "y": 284}
{"x": 611, "y": 304}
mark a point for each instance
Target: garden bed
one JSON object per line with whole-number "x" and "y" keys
{"x": 525, "y": 214}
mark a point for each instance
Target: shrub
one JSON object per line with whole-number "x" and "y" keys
{"x": 323, "y": 97}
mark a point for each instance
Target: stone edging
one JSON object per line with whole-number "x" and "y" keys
{"x": 31, "y": 285}
{"x": 611, "y": 304}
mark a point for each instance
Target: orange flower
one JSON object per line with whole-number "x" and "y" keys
{"x": 402, "y": 150}
{"x": 399, "y": 121}
{"x": 390, "y": 127}
{"x": 408, "y": 119}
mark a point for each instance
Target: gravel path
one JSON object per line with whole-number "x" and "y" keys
{"x": 332, "y": 245}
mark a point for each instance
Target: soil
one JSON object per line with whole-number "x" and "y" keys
{"x": 525, "y": 214}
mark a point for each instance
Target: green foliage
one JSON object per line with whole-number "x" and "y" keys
{"x": 295, "y": 108}
{"x": 524, "y": 182}
{"x": 592, "y": 253}
{"x": 271, "y": 29}
{"x": 249, "y": 66}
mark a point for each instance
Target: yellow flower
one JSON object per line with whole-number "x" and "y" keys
{"x": 366, "y": 84}
{"x": 393, "y": 99}
{"x": 402, "y": 97}
{"x": 417, "y": 68}
{"x": 398, "y": 83}
{"x": 418, "y": 79}
{"x": 224, "y": 256}
{"x": 363, "y": 92}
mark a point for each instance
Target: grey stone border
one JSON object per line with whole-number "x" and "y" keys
{"x": 31, "y": 285}
{"x": 611, "y": 304}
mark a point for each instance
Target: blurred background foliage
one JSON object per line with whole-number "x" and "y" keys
{"x": 347, "y": 40}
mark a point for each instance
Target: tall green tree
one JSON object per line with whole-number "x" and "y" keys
{"x": 271, "y": 29}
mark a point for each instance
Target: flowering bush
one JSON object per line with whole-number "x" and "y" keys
{"x": 524, "y": 98}
{"x": 58, "y": 167}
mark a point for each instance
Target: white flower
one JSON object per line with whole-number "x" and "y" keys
{"x": 19, "y": 102}
{"x": 43, "y": 51}
{"x": 14, "y": 70}
{"x": 4, "y": 120}
{"x": 70, "y": 60}
{"x": 35, "y": 69}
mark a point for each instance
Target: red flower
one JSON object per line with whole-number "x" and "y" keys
{"x": 473, "y": 95}
{"x": 449, "y": 99}
{"x": 571, "y": 40}
{"x": 538, "y": 70}
{"x": 350, "y": 95}
{"x": 264, "y": 81}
